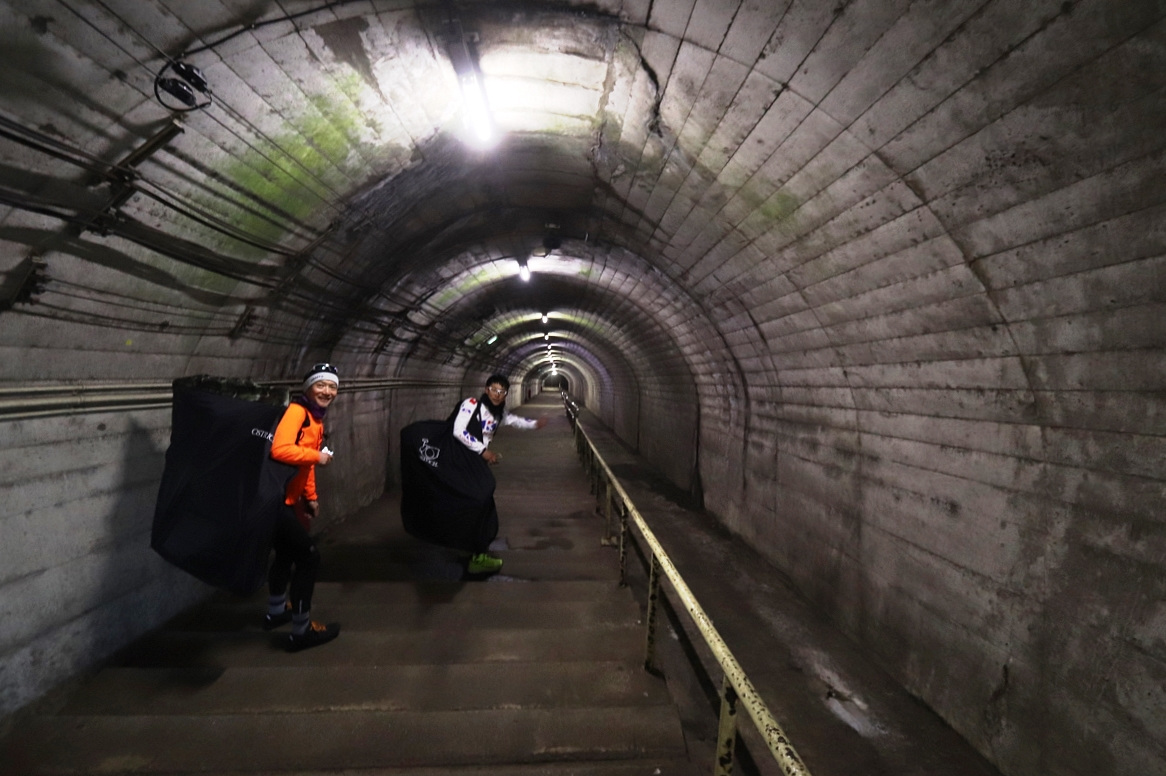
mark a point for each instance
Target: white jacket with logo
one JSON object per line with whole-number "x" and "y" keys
{"x": 489, "y": 424}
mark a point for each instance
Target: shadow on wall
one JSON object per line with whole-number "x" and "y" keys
{"x": 91, "y": 583}
{"x": 129, "y": 589}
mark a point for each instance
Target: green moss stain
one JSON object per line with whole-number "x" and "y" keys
{"x": 323, "y": 143}
{"x": 780, "y": 207}
{"x": 776, "y": 209}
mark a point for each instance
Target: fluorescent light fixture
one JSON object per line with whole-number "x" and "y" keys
{"x": 477, "y": 111}
{"x": 492, "y": 340}
{"x": 523, "y": 271}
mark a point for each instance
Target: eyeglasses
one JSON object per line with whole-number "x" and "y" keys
{"x": 497, "y": 391}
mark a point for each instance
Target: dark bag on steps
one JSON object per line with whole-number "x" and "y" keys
{"x": 220, "y": 491}
{"x": 447, "y": 490}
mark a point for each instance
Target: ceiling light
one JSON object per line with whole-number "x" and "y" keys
{"x": 492, "y": 340}
{"x": 477, "y": 115}
{"x": 523, "y": 270}
{"x": 546, "y": 317}
{"x": 463, "y": 56}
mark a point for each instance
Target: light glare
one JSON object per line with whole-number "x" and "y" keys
{"x": 477, "y": 111}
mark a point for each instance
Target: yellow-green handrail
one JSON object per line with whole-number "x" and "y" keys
{"x": 737, "y": 687}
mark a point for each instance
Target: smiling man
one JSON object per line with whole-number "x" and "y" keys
{"x": 299, "y": 441}
{"x": 474, "y": 426}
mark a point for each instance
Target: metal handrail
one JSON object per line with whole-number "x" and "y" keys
{"x": 736, "y": 686}
{"x": 24, "y": 402}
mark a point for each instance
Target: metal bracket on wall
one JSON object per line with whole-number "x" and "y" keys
{"x": 24, "y": 284}
{"x": 123, "y": 174}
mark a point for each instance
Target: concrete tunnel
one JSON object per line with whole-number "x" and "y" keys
{"x": 880, "y": 283}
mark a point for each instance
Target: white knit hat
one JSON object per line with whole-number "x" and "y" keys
{"x": 321, "y": 372}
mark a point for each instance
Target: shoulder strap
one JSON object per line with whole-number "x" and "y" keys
{"x": 307, "y": 420}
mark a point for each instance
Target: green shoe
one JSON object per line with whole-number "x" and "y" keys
{"x": 484, "y": 564}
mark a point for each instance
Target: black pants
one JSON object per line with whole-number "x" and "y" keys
{"x": 488, "y": 530}
{"x": 296, "y": 560}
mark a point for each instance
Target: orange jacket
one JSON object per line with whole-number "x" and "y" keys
{"x": 299, "y": 445}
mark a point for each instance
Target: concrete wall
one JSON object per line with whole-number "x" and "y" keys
{"x": 78, "y": 579}
{"x": 950, "y": 433}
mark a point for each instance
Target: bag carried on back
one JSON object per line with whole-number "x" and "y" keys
{"x": 220, "y": 491}
{"x": 447, "y": 490}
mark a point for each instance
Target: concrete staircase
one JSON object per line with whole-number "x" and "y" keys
{"x": 534, "y": 671}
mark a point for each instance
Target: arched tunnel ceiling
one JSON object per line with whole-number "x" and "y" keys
{"x": 770, "y": 185}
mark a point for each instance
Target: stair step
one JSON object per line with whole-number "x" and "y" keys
{"x": 368, "y": 566}
{"x": 657, "y": 766}
{"x": 173, "y": 648}
{"x": 437, "y": 592}
{"x": 333, "y": 741}
{"x": 257, "y": 690}
{"x": 454, "y": 616}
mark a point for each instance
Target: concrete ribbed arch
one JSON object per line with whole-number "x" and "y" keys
{"x": 608, "y": 372}
{"x": 589, "y": 383}
{"x": 608, "y": 369}
{"x": 643, "y": 312}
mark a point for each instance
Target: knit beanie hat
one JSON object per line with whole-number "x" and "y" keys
{"x": 321, "y": 372}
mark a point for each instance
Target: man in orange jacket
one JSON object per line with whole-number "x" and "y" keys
{"x": 299, "y": 441}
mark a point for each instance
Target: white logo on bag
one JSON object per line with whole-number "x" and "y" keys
{"x": 428, "y": 453}
{"x": 270, "y": 437}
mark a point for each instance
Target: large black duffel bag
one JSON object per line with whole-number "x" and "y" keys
{"x": 220, "y": 491}
{"x": 447, "y": 490}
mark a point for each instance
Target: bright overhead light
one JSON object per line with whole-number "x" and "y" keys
{"x": 492, "y": 340}
{"x": 546, "y": 317}
{"x": 546, "y": 336}
{"x": 477, "y": 110}
{"x": 523, "y": 270}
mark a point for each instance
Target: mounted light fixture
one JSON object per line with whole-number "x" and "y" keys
{"x": 546, "y": 336}
{"x": 546, "y": 317}
{"x": 523, "y": 270}
{"x": 492, "y": 340}
{"x": 478, "y": 119}
{"x": 186, "y": 88}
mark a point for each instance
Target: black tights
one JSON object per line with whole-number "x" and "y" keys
{"x": 488, "y": 531}
{"x": 296, "y": 560}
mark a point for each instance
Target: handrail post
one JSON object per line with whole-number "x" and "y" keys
{"x": 650, "y": 616}
{"x": 608, "y": 539}
{"x": 726, "y": 730}
{"x": 623, "y": 546}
